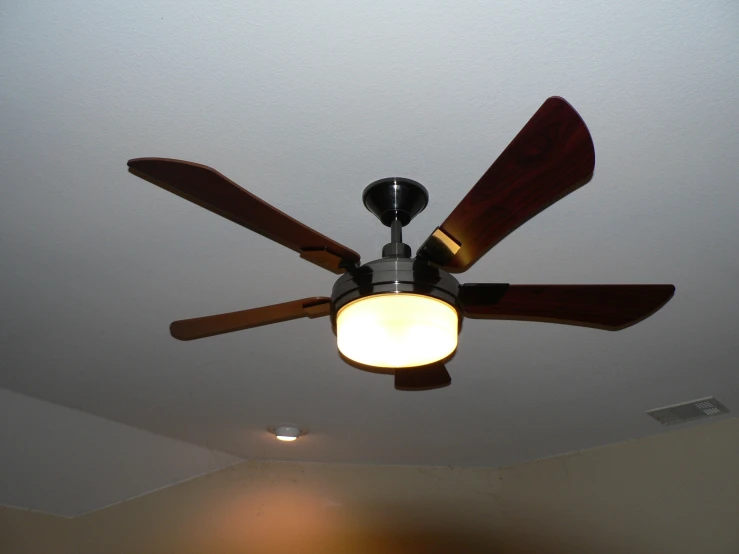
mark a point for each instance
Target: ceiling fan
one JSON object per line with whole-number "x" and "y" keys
{"x": 403, "y": 314}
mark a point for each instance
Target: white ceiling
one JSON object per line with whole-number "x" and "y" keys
{"x": 66, "y": 462}
{"x": 304, "y": 104}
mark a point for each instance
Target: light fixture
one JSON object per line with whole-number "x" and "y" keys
{"x": 287, "y": 433}
{"x": 398, "y": 311}
{"x": 397, "y": 330}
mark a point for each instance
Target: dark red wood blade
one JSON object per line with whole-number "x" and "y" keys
{"x": 211, "y": 190}
{"x": 433, "y": 376}
{"x": 550, "y": 157}
{"x": 200, "y": 327}
{"x": 609, "y": 307}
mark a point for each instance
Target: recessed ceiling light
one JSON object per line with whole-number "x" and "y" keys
{"x": 287, "y": 433}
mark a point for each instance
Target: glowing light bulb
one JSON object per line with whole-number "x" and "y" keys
{"x": 397, "y": 330}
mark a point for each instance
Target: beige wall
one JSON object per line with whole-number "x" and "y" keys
{"x": 676, "y": 493}
{"x": 24, "y": 532}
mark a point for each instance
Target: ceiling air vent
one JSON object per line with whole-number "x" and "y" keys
{"x": 688, "y": 411}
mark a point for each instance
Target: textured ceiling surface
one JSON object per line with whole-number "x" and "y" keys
{"x": 304, "y": 104}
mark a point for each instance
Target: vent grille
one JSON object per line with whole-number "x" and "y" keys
{"x": 688, "y": 411}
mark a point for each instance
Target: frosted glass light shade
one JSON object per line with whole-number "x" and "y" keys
{"x": 287, "y": 433}
{"x": 397, "y": 330}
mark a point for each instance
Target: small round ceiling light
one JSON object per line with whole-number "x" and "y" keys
{"x": 287, "y": 433}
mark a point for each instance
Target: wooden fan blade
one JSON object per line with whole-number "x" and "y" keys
{"x": 609, "y": 307}
{"x": 550, "y": 157}
{"x": 200, "y": 327}
{"x": 433, "y": 376}
{"x": 211, "y": 190}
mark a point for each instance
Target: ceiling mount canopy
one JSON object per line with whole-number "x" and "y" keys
{"x": 395, "y": 198}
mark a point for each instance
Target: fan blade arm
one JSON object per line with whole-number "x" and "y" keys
{"x": 209, "y": 326}
{"x": 211, "y": 190}
{"x": 550, "y": 157}
{"x": 482, "y": 294}
{"x": 428, "y": 377}
{"x": 607, "y": 307}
